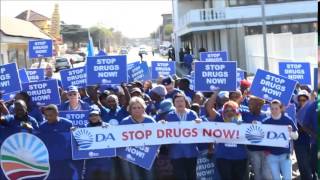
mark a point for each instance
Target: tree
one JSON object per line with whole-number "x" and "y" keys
{"x": 168, "y": 29}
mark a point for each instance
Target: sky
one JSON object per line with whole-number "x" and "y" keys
{"x": 134, "y": 18}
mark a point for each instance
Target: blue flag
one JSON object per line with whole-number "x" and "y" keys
{"x": 90, "y": 48}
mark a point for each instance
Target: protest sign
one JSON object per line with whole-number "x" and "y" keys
{"x": 299, "y": 71}
{"x": 315, "y": 79}
{"x": 162, "y": 68}
{"x": 40, "y": 48}
{"x": 139, "y": 72}
{"x": 79, "y": 152}
{"x": 271, "y": 86}
{"x": 240, "y": 76}
{"x": 78, "y": 118}
{"x": 131, "y": 65}
{"x": 35, "y": 74}
{"x": 177, "y": 132}
{"x": 211, "y": 76}
{"x": 206, "y": 168}
{"x": 214, "y": 56}
{"x": 23, "y": 76}
{"x": 9, "y": 79}
{"x": 74, "y": 77}
{"x": 43, "y": 92}
{"x": 106, "y": 70}
{"x": 142, "y": 156}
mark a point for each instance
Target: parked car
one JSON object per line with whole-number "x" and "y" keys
{"x": 62, "y": 63}
{"x": 76, "y": 58}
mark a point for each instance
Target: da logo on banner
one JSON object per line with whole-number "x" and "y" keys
{"x": 211, "y": 76}
{"x": 299, "y": 71}
{"x": 214, "y": 56}
{"x": 40, "y": 48}
{"x": 106, "y": 70}
{"x": 271, "y": 86}
{"x": 9, "y": 79}
{"x": 24, "y": 156}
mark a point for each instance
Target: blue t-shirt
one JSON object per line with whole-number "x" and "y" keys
{"x": 311, "y": 119}
{"x": 65, "y": 106}
{"x": 229, "y": 150}
{"x": 114, "y": 117}
{"x": 182, "y": 150}
{"x": 248, "y": 117}
{"x": 129, "y": 120}
{"x": 14, "y": 123}
{"x": 33, "y": 111}
{"x": 284, "y": 120}
{"x": 152, "y": 106}
{"x": 62, "y": 125}
{"x": 188, "y": 59}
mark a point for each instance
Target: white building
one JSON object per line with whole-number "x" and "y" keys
{"x": 236, "y": 26}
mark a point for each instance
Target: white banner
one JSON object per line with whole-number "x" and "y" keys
{"x": 180, "y": 132}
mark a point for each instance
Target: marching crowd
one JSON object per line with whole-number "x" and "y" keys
{"x": 171, "y": 99}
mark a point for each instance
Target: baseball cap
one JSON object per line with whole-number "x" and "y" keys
{"x": 72, "y": 89}
{"x": 165, "y": 106}
{"x": 167, "y": 80}
{"x": 160, "y": 90}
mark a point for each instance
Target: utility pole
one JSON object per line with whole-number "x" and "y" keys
{"x": 264, "y": 32}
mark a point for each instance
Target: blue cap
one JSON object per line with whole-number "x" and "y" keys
{"x": 168, "y": 80}
{"x": 72, "y": 89}
{"x": 94, "y": 110}
{"x": 166, "y": 106}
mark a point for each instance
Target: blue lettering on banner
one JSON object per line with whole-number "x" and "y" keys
{"x": 73, "y": 77}
{"x": 315, "y": 79}
{"x": 40, "y": 48}
{"x": 271, "y": 86}
{"x": 78, "y": 152}
{"x": 43, "y": 92}
{"x": 162, "y": 68}
{"x": 240, "y": 76}
{"x": 299, "y": 71}
{"x": 214, "y": 56}
{"x": 23, "y": 76}
{"x": 106, "y": 70}
{"x": 142, "y": 156}
{"x": 9, "y": 79}
{"x": 35, "y": 74}
{"x": 139, "y": 72}
{"x": 211, "y": 76}
{"x": 78, "y": 118}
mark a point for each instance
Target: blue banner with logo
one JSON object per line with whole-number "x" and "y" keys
{"x": 78, "y": 118}
{"x": 23, "y": 76}
{"x": 43, "y": 92}
{"x": 240, "y": 76}
{"x": 74, "y": 77}
{"x": 142, "y": 156}
{"x": 35, "y": 74}
{"x": 80, "y": 143}
{"x": 40, "y": 48}
{"x": 271, "y": 86}
{"x": 9, "y": 79}
{"x": 139, "y": 72}
{"x": 211, "y": 76}
{"x": 162, "y": 68}
{"x": 214, "y": 56}
{"x": 106, "y": 70}
{"x": 298, "y": 71}
{"x": 315, "y": 79}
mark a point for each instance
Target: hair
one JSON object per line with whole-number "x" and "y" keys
{"x": 51, "y": 107}
{"x": 183, "y": 96}
{"x": 257, "y": 99}
{"x": 114, "y": 97}
{"x": 136, "y": 100}
{"x": 230, "y": 104}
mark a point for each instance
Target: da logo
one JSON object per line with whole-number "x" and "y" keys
{"x": 254, "y": 134}
{"x": 84, "y": 138}
{"x": 24, "y": 156}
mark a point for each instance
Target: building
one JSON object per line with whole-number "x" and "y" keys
{"x": 166, "y": 22}
{"x": 14, "y": 41}
{"x": 37, "y": 19}
{"x": 236, "y": 26}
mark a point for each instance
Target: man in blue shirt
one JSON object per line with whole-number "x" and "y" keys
{"x": 74, "y": 102}
{"x": 48, "y": 74}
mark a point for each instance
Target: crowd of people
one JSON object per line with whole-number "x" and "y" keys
{"x": 170, "y": 100}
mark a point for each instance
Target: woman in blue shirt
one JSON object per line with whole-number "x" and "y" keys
{"x": 231, "y": 158}
{"x": 183, "y": 156}
{"x": 278, "y": 158}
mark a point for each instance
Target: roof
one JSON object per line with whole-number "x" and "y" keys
{"x": 16, "y": 27}
{"x": 29, "y": 15}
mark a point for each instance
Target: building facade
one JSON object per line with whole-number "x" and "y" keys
{"x": 236, "y": 26}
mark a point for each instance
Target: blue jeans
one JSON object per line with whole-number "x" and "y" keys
{"x": 260, "y": 166}
{"x": 280, "y": 165}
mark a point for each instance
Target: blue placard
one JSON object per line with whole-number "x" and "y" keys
{"x": 43, "y": 92}
{"x": 74, "y": 77}
{"x": 315, "y": 79}
{"x": 162, "y": 68}
{"x": 211, "y": 76}
{"x": 206, "y": 168}
{"x": 298, "y": 71}
{"x": 142, "y": 156}
{"x": 23, "y": 76}
{"x": 131, "y": 65}
{"x": 214, "y": 56}
{"x": 40, "y": 48}
{"x": 291, "y": 111}
{"x": 9, "y": 79}
{"x": 140, "y": 72}
{"x": 106, "y": 70}
{"x": 78, "y": 153}
{"x": 240, "y": 76}
{"x": 35, "y": 74}
{"x": 271, "y": 86}
{"x": 78, "y": 118}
